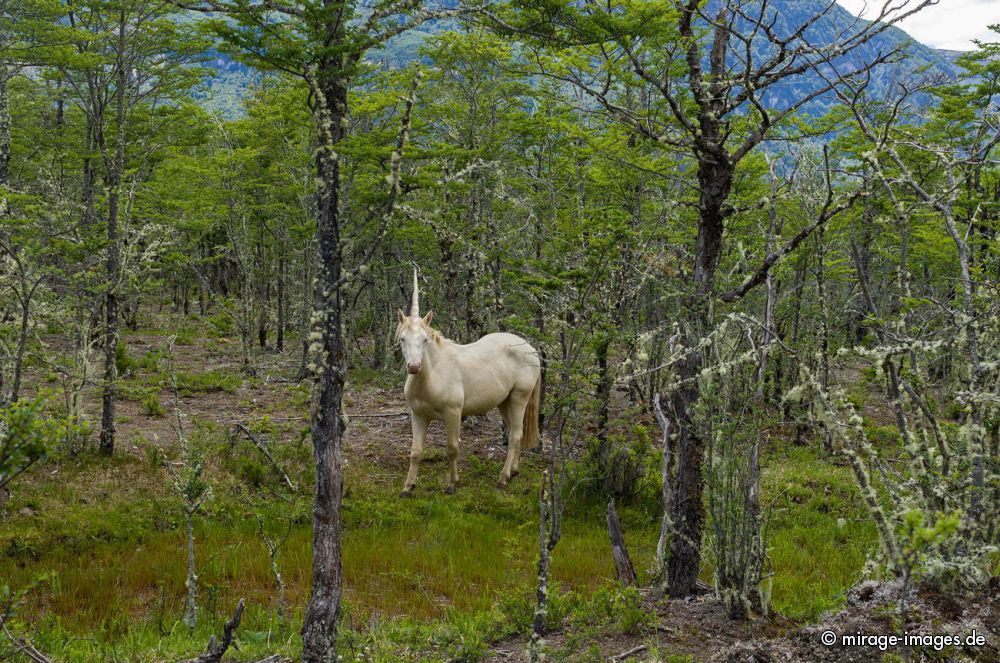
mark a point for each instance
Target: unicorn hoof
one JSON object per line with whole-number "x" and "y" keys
{"x": 407, "y": 492}
{"x": 450, "y": 490}
{"x": 501, "y": 485}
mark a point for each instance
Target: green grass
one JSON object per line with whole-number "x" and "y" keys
{"x": 819, "y": 534}
{"x": 189, "y": 383}
{"x": 434, "y": 576}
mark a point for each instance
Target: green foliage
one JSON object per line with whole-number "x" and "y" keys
{"x": 883, "y": 437}
{"x": 622, "y": 462}
{"x": 919, "y": 535}
{"x": 125, "y": 364}
{"x": 606, "y": 611}
{"x": 189, "y": 383}
{"x": 186, "y": 336}
{"x": 151, "y": 361}
{"x": 154, "y": 455}
{"x": 152, "y": 406}
{"x": 222, "y": 323}
{"x": 27, "y": 436}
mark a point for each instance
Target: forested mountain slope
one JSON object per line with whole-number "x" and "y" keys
{"x": 230, "y": 79}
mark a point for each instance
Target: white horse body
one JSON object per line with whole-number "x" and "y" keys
{"x": 447, "y": 381}
{"x": 474, "y": 378}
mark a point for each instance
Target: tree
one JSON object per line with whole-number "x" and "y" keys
{"x": 324, "y": 43}
{"x": 711, "y": 69}
{"x": 127, "y": 53}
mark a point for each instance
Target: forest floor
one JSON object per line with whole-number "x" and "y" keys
{"x": 436, "y": 577}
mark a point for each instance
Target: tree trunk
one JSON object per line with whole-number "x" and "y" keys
{"x": 22, "y": 340}
{"x": 262, "y": 292}
{"x": 772, "y": 229}
{"x": 602, "y": 394}
{"x": 191, "y": 606}
{"x": 108, "y": 397}
{"x": 319, "y": 631}
{"x": 546, "y": 527}
{"x": 715, "y": 175}
{"x": 4, "y": 127}
{"x": 619, "y": 552}
{"x": 279, "y": 339}
{"x": 88, "y": 173}
{"x": 308, "y": 294}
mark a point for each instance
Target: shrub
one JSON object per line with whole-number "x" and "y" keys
{"x": 209, "y": 381}
{"x": 124, "y": 362}
{"x": 622, "y": 461}
{"x": 883, "y": 437}
{"x": 185, "y": 336}
{"x": 151, "y": 361}
{"x": 152, "y": 406}
{"x": 222, "y": 323}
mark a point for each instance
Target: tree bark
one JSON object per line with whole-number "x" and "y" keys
{"x": 22, "y": 341}
{"x": 4, "y": 127}
{"x": 619, "y": 552}
{"x": 279, "y": 339}
{"x": 715, "y": 175}
{"x": 108, "y": 396}
{"x": 319, "y": 630}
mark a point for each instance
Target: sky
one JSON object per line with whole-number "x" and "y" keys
{"x": 951, "y": 24}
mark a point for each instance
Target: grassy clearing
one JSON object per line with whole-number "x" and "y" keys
{"x": 819, "y": 531}
{"x": 429, "y": 576}
{"x": 433, "y": 577}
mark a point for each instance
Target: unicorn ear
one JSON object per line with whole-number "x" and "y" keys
{"x": 427, "y": 318}
{"x": 400, "y": 315}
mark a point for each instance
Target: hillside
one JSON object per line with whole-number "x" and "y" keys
{"x": 230, "y": 80}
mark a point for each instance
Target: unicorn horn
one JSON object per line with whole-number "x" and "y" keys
{"x": 415, "y": 304}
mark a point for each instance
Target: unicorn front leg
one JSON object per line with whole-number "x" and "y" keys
{"x": 453, "y": 424}
{"x": 416, "y": 451}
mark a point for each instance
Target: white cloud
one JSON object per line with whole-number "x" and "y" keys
{"x": 951, "y": 24}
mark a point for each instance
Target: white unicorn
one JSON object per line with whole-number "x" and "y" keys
{"x": 447, "y": 381}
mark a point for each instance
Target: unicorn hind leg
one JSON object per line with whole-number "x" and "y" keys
{"x": 515, "y": 405}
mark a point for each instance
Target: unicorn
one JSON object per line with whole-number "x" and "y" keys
{"x": 447, "y": 381}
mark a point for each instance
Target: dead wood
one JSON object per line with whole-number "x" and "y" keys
{"x": 262, "y": 447}
{"x": 623, "y": 563}
{"x": 216, "y": 650}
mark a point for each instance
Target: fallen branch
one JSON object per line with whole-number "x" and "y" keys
{"x": 262, "y": 446}
{"x": 377, "y": 414}
{"x": 226, "y": 422}
{"x": 24, "y": 647}
{"x": 280, "y": 380}
{"x": 629, "y": 653}
{"x": 215, "y": 649}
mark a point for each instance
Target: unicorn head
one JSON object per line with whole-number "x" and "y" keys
{"x": 414, "y": 332}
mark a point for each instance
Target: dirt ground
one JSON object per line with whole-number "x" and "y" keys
{"x": 695, "y": 628}
{"x": 700, "y": 630}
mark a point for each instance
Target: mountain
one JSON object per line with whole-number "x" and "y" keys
{"x": 788, "y": 15}
{"x": 231, "y": 80}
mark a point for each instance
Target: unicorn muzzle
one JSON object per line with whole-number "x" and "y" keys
{"x": 413, "y": 367}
